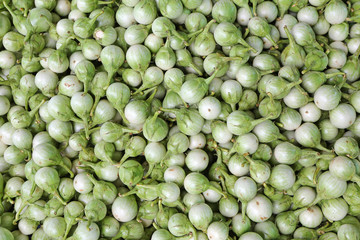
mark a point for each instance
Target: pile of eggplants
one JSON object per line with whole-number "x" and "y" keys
{"x": 179, "y": 119}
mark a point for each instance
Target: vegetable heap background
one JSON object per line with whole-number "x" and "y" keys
{"x": 179, "y": 119}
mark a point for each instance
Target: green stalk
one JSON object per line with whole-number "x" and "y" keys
{"x": 122, "y": 114}
{"x": 57, "y": 195}
{"x": 17, "y": 216}
{"x": 151, "y": 167}
{"x": 35, "y": 110}
{"x": 97, "y": 99}
{"x": 131, "y": 192}
{"x": 123, "y": 159}
{"x": 67, "y": 230}
{"x": 211, "y": 187}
